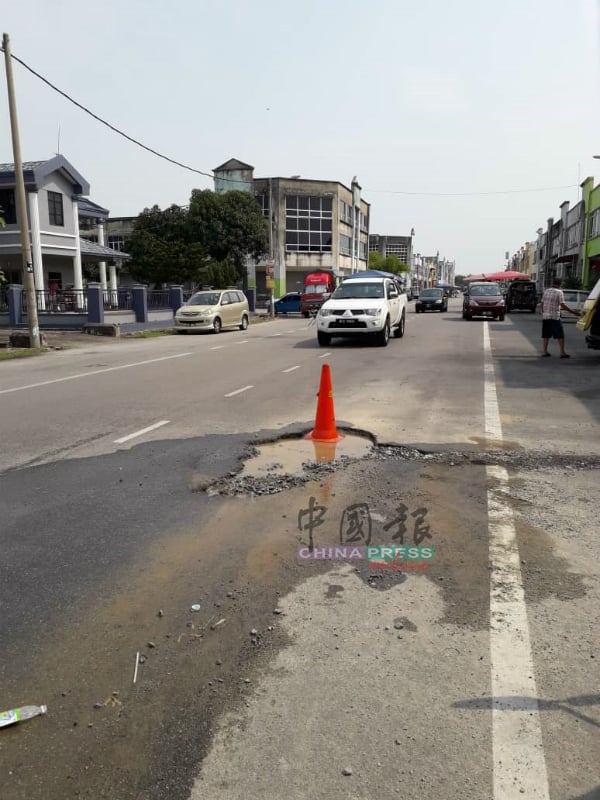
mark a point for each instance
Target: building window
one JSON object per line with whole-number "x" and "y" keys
{"x": 400, "y": 250}
{"x": 595, "y": 223}
{"x": 363, "y": 251}
{"x": 364, "y": 222}
{"x": 263, "y": 201}
{"x": 345, "y": 212}
{"x": 345, "y": 245}
{"x": 8, "y": 209}
{"x": 308, "y": 224}
{"x": 55, "y": 209}
{"x": 116, "y": 243}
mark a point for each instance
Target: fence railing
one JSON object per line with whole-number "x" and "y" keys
{"x": 3, "y": 300}
{"x": 159, "y": 298}
{"x": 117, "y": 300}
{"x": 68, "y": 300}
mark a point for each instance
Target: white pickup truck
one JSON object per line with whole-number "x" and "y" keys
{"x": 366, "y": 303}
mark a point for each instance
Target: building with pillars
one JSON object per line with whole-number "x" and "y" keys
{"x": 59, "y": 213}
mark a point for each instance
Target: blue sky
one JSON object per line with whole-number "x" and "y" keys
{"x": 427, "y": 97}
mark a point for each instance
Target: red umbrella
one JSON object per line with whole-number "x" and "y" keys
{"x": 508, "y": 275}
{"x": 475, "y": 278}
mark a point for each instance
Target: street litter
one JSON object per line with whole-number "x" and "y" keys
{"x": 196, "y": 607}
{"x": 137, "y": 661}
{"x": 220, "y": 622}
{"x": 20, "y": 714}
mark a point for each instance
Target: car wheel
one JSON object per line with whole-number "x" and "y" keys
{"x": 468, "y": 317}
{"x": 305, "y": 314}
{"x": 180, "y": 332}
{"x": 532, "y": 310}
{"x": 217, "y": 325}
{"x": 324, "y": 339}
{"x": 383, "y": 336}
{"x": 501, "y": 317}
{"x": 244, "y": 323}
{"x": 399, "y": 331}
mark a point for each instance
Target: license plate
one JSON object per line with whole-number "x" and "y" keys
{"x": 345, "y": 322}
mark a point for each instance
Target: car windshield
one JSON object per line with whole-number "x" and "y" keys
{"x": 485, "y": 291}
{"x": 317, "y": 288}
{"x": 204, "y": 299}
{"x": 355, "y": 289}
{"x": 431, "y": 293}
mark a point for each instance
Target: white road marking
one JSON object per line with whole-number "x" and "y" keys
{"x": 518, "y": 753}
{"x": 143, "y": 431}
{"x": 218, "y": 347}
{"x": 290, "y": 369}
{"x": 93, "y": 372}
{"x": 245, "y": 341}
{"x": 325, "y": 355}
{"x": 239, "y": 391}
{"x": 274, "y": 335}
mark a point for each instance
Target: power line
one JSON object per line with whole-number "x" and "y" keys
{"x": 112, "y": 127}
{"x": 233, "y": 180}
{"x": 471, "y": 194}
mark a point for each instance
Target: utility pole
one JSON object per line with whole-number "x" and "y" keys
{"x": 270, "y": 270}
{"x": 22, "y": 218}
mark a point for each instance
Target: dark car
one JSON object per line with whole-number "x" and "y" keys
{"x": 522, "y": 295}
{"x": 431, "y": 300}
{"x": 484, "y": 300}
{"x": 289, "y": 303}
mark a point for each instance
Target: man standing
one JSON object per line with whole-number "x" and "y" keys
{"x": 553, "y": 300}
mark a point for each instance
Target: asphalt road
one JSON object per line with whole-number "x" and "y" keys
{"x": 476, "y": 679}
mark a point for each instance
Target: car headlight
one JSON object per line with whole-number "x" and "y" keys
{"x": 325, "y": 312}
{"x": 373, "y": 312}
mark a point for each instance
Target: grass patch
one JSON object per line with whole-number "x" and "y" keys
{"x": 150, "y": 334}
{"x": 7, "y": 355}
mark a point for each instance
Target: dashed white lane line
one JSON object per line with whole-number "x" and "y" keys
{"x": 518, "y": 753}
{"x": 218, "y": 347}
{"x": 142, "y": 432}
{"x": 290, "y": 369}
{"x": 245, "y": 341}
{"x": 93, "y": 372}
{"x": 325, "y": 355}
{"x": 239, "y": 391}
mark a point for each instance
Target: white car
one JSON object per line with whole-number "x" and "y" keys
{"x": 575, "y": 299}
{"x": 364, "y": 304}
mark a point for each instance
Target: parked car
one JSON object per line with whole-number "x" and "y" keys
{"x": 368, "y": 303}
{"x": 431, "y": 300}
{"x": 590, "y": 318}
{"x": 522, "y": 295}
{"x": 575, "y": 299}
{"x": 213, "y": 311}
{"x": 289, "y": 303}
{"x": 484, "y": 299}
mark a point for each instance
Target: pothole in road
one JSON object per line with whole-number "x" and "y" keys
{"x": 292, "y": 456}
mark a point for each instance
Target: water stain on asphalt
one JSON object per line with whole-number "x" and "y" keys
{"x": 333, "y": 590}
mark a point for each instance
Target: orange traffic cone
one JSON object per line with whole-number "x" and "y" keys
{"x": 325, "y": 430}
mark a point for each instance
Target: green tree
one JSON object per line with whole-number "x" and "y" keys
{"x": 389, "y": 263}
{"x": 162, "y": 249}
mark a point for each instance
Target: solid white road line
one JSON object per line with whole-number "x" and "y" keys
{"x": 290, "y": 369}
{"x": 325, "y": 355}
{"x": 218, "y": 347}
{"x": 94, "y": 372}
{"x": 143, "y": 431}
{"x": 239, "y": 391}
{"x": 518, "y": 753}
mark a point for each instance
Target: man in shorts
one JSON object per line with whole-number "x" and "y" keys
{"x": 553, "y": 300}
